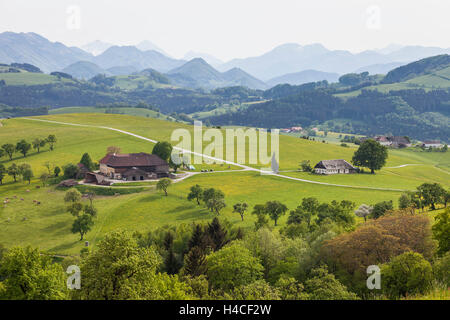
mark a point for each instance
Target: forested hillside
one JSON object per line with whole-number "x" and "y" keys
{"x": 417, "y": 105}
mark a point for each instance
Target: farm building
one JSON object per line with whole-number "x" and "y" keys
{"x": 432, "y": 144}
{"x": 134, "y": 166}
{"x": 334, "y": 167}
{"x": 92, "y": 177}
{"x": 391, "y": 141}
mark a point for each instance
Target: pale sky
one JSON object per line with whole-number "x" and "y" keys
{"x": 233, "y": 28}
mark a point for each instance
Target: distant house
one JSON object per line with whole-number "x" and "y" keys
{"x": 400, "y": 142}
{"x": 432, "y": 144}
{"x": 134, "y": 166}
{"x": 334, "y": 167}
{"x": 390, "y": 141}
{"x": 383, "y": 140}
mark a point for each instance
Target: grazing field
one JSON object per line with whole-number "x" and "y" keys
{"x": 30, "y": 78}
{"x": 48, "y": 225}
{"x": 292, "y": 150}
{"x": 139, "y": 112}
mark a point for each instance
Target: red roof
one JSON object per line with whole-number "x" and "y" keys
{"x": 132, "y": 160}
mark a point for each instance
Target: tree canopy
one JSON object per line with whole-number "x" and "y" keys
{"x": 370, "y": 154}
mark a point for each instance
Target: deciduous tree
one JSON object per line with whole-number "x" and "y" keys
{"x": 196, "y": 193}
{"x": 233, "y": 266}
{"x": 240, "y": 208}
{"x": 3, "y": 173}
{"x": 370, "y": 154}
{"x": 13, "y": 171}
{"x": 163, "y": 184}
{"x": 441, "y": 231}
{"x": 406, "y": 274}
{"x": 23, "y": 147}
{"x": 87, "y": 161}
{"x": 119, "y": 269}
{"x": 82, "y": 225}
{"x": 38, "y": 144}
{"x": 364, "y": 211}
{"x": 29, "y": 275}
{"x": 163, "y": 150}
{"x": 9, "y": 149}
{"x": 275, "y": 210}
{"x": 51, "y": 140}
{"x": 431, "y": 193}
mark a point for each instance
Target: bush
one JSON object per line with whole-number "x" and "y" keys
{"x": 233, "y": 266}
{"x": 441, "y": 270}
{"x": 70, "y": 171}
{"x": 406, "y": 274}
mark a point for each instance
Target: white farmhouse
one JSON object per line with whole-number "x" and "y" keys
{"x": 334, "y": 167}
{"x": 432, "y": 144}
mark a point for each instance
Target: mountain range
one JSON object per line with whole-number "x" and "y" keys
{"x": 288, "y": 63}
{"x": 197, "y": 73}
{"x": 292, "y": 57}
{"x": 302, "y": 77}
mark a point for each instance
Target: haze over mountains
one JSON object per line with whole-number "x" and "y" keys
{"x": 289, "y": 63}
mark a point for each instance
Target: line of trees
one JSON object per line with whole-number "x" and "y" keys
{"x": 427, "y": 195}
{"x": 213, "y": 199}
{"x": 24, "y": 147}
{"x": 22, "y": 171}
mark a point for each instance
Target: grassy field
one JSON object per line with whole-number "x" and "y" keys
{"x": 48, "y": 225}
{"x": 138, "y": 112}
{"x": 29, "y": 78}
{"x": 435, "y": 80}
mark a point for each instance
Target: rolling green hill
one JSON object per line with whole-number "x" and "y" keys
{"x": 139, "y": 112}
{"x": 48, "y": 225}
{"x": 418, "y": 68}
{"x": 22, "y": 76}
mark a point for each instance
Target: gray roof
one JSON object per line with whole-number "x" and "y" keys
{"x": 334, "y": 164}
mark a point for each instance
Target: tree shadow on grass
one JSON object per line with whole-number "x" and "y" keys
{"x": 160, "y": 196}
{"x": 66, "y": 246}
{"x": 195, "y": 214}
{"x": 57, "y": 229}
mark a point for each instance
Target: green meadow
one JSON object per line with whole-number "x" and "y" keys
{"x": 138, "y": 112}
{"x": 48, "y": 225}
{"x": 30, "y": 78}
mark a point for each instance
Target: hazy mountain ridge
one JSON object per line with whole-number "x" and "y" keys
{"x": 96, "y": 47}
{"x": 288, "y": 63}
{"x": 130, "y": 55}
{"x": 304, "y": 76}
{"x": 84, "y": 70}
{"x": 288, "y": 57}
{"x": 197, "y": 73}
{"x": 37, "y": 50}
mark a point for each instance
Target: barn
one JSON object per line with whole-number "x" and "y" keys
{"x": 134, "y": 166}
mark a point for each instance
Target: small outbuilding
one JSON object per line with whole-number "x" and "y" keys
{"x": 92, "y": 177}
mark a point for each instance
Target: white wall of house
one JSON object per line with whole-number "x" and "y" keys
{"x": 433, "y": 145}
{"x": 330, "y": 171}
